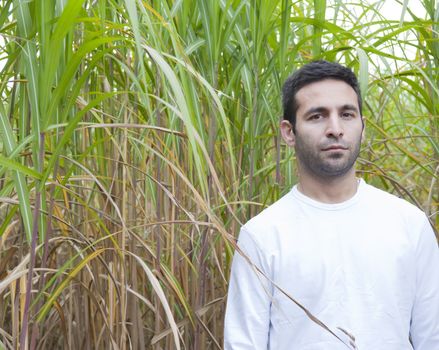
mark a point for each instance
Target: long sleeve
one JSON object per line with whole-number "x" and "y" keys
{"x": 424, "y": 328}
{"x": 247, "y": 317}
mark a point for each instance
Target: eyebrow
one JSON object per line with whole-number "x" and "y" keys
{"x": 346, "y": 107}
{"x": 315, "y": 110}
{"x": 349, "y": 107}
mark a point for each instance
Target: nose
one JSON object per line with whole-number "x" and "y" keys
{"x": 334, "y": 126}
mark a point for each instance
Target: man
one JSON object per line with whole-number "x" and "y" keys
{"x": 361, "y": 261}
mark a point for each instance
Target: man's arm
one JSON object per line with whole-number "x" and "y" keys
{"x": 247, "y": 318}
{"x": 424, "y": 328}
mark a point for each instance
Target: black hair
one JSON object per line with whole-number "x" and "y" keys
{"x": 310, "y": 73}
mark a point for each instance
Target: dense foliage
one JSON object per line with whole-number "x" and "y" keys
{"x": 137, "y": 136}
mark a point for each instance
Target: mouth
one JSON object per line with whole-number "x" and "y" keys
{"x": 335, "y": 148}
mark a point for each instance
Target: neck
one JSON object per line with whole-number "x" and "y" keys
{"x": 329, "y": 190}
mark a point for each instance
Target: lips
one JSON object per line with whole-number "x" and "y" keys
{"x": 335, "y": 148}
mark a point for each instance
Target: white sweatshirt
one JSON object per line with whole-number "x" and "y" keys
{"x": 368, "y": 266}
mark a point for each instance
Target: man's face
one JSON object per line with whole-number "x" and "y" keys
{"x": 329, "y": 129}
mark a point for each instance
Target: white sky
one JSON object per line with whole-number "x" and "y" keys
{"x": 392, "y": 10}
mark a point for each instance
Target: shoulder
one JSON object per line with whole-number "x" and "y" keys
{"x": 391, "y": 201}
{"x": 394, "y": 207}
{"x": 264, "y": 226}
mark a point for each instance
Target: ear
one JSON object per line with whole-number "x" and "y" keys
{"x": 286, "y": 130}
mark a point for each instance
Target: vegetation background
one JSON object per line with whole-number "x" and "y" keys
{"x": 137, "y": 136}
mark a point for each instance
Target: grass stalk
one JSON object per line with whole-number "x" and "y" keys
{"x": 160, "y": 123}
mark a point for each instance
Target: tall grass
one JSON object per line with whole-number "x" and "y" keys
{"x": 137, "y": 136}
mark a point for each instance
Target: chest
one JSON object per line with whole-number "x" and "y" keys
{"x": 330, "y": 262}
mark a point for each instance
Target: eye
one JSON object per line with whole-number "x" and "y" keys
{"x": 347, "y": 115}
{"x": 316, "y": 116}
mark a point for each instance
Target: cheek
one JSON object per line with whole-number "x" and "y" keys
{"x": 308, "y": 136}
{"x": 305, "y": 142}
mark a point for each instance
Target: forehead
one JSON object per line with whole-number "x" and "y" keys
{"x": 328, "y": 93}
